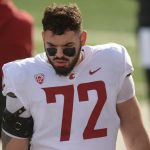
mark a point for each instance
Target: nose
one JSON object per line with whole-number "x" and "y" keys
{"x": 59, "y": 52}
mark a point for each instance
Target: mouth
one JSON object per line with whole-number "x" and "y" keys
{"x": 60, "y": 62}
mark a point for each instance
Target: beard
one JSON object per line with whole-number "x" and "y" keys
{"x": 64, "y": 71}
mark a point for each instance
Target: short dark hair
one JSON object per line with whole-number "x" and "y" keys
{"x": 60, "y": 18}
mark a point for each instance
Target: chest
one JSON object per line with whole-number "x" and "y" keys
{"x": 82, "y": 100}
{"x": 88, "y": 83}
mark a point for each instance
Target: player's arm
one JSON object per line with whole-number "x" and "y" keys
{"x": 17, "y": 125}
{"x": 11, "y": 143}
{"x": 132, "y": 128}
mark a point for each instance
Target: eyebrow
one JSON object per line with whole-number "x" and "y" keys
{"x": 51, "y": 44}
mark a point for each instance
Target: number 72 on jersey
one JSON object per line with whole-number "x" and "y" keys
{"x": 68, "y": 92}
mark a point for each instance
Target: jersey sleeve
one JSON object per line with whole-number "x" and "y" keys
{"x": 123, "y": 60}
{"x": 13, "y": 105}
{"x": 126, "y": 84}
{"x": 127, "y": 90}
{"x": 13, "y": 80}
{"x": 127, "y": 62}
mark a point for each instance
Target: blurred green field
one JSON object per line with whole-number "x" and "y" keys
{"x": 105, "y": 21}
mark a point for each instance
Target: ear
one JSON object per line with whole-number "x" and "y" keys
{"x": 83, "y": 38}
{"x": 43, "y": 35}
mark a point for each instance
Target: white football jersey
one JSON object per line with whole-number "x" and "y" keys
{"x": 76, "y": 112}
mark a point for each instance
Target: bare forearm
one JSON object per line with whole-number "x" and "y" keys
{"x": 132, "y": 127}
{"x": 139, "y": 142}
{"x": 5, "y": 140}
{"x": 9, "y": 143}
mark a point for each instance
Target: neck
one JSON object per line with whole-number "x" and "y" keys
{"x": 81, "y": 57}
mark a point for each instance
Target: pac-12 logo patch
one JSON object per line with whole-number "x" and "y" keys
{"x": 39, "y": 78}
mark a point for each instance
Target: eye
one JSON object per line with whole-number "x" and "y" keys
{"x": 51, "y": 51}
{"x": 70, "y": 51}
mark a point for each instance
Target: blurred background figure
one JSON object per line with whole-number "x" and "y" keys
{"x": 143, "y": 38}
{"x": 16, "y": 38}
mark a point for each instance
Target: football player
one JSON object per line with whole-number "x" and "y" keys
{"x": 72, "y": 96}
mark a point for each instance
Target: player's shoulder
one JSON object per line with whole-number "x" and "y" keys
{"x": 18, "y": 63}
{"x": 19, "y": 66}
{"x": 111, "y": 54}
{"x": 108, "y": 51}
{"x": 14, "y": 69}
{"x": 109, "y": 48}
{"x": 24, "y": 65}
